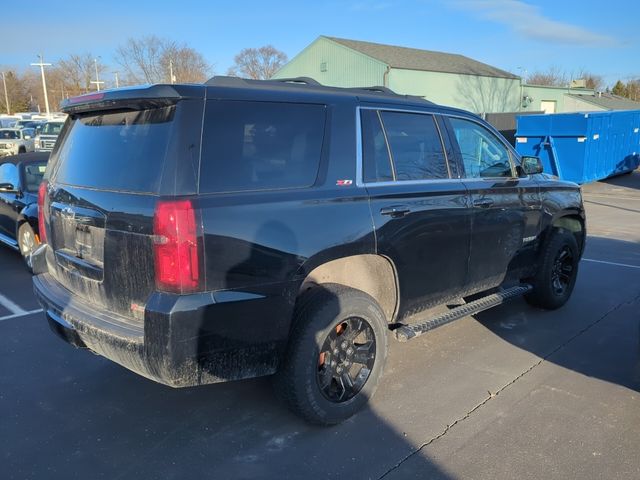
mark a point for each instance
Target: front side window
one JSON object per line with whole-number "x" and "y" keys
{"x": 483, "y": 155}
{"x": 415, "y": 144}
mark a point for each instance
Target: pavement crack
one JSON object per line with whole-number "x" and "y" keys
{"x": 511, "y": 382}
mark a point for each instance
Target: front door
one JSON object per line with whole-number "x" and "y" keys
{"x": 420, "y": 213}
{"x": 506, "y": 208}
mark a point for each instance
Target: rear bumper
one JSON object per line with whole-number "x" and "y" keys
{"x": 184, "y": 340}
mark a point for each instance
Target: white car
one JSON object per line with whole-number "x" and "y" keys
{"x": 15, "y": 140}
{"x": 48, "y": 135}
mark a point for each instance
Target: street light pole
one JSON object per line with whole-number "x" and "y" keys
{"x": 41, "y": 64}
{"x": 6, "y": 96}
{"x": 117, "y": 81}
{"x": 97, "y": 80}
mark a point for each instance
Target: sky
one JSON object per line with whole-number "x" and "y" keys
{"x": 518, "y": 36}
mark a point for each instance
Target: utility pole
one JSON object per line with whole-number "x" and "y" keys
{"x": 97, "y": 80}
{"x": 41, "y": 64}
{"x": 172, "y": 78}
{"x": 6, "y": 96}
{"x": 117, "y": 81}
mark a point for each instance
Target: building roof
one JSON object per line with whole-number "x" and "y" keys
{"x": 425, "y": 60}
{"x": 608, "y": 101}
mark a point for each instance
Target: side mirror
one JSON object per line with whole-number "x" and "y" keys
{"x": 8, "y": 177}
{"x": 8, "y": 187}
{"x": 531, "y": 165}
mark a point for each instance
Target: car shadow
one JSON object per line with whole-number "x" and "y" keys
{"x": 597, "y": 333}
{"x": 69, "y": 414}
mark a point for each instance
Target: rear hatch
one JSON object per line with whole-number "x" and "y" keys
{"x": 118, "y": 153}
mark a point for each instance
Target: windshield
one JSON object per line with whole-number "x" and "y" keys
{"x": 33, "y": 173}
{"x": 51, "y": 128}
{"x": 9, "y": 135}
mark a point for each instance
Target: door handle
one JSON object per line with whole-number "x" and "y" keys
{"x": 395, "y": 211}
{"x": 483, "y": 202}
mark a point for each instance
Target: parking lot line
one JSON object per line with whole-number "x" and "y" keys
{"x": 18, "y": 315}
{"x": 611, "y": 263}
{"x": 9, "y": 305}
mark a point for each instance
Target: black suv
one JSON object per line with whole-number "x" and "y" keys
{"x": 203, "y": 233}
{"x": 20, "y": 178}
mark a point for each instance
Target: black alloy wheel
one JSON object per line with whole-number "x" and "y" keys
{"x": 346, "y": 359}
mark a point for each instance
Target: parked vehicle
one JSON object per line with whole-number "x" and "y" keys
{"x": 246, "y": 228}
{"x": 48, "y": 135}
{"x": 15, "y": 140}
{"x": 20, "y": 177}
{"x": 8, "y": 121}
{"x": 28, "y": 123}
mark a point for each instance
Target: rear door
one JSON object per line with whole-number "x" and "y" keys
{"x": 420, "y": 212}
{"x": 105, "y": 178}
{"x": 506, "y": 207}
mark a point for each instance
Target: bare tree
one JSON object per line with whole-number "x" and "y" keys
{"x": 16, "y": 91}
{"x": 76, "y": 72}
{"x": 187, "y": 64}
{"x": 258, "y": 63}
{"x": 553, "y": 76}
{"x": 149, "y": 60}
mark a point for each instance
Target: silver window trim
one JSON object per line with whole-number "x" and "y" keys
{"x": 359, "y": 160}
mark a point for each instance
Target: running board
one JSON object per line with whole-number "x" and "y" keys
{"x": 407, "y": 332}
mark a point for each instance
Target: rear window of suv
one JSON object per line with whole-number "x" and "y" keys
{"x": 260, "y": 145}
{"x": 116, "y": 151}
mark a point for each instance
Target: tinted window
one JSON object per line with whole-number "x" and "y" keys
{"x": 260, "y": 145}
{"x": 9, "y": 134}
{"x": 482, "y": 153}
{"x": 33, "y": 174}
{"x": 52, "y": 128}
{"x": 377, "y": 166}
{"x": 415, "y": 146}
{"x": 116, "y": 151}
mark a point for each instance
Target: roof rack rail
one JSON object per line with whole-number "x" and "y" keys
{"x": 378, "y": 89}
{"x": 226, "y": 81}
{"x": 303, "y": 80}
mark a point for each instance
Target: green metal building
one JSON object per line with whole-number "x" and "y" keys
{"x": 444, "y": 78}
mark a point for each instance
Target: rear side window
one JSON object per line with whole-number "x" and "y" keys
{"x": 260, "y": 145}
{"x": 416, "y": 147}
{"x": 116, "y": 151}
{"x": 377, "y": 165}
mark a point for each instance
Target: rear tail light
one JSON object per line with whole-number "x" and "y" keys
{"x": 177, "y": 259}
{"x": 42, "y": 193}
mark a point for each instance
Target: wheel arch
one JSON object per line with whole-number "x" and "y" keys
{"x": 371, "y": 273}
{"x": 574, "y": 223}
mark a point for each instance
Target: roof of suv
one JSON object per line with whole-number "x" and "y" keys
{"x": 300, "y": 88}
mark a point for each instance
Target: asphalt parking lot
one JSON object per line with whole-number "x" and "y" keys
{"x": 511, "y": 393}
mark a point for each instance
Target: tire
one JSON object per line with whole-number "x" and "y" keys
{"x": 27, "y": 243}
{"x": 321, "y": 343}
{"x": 557, "y": 272}
{"x": 22, "y": 150}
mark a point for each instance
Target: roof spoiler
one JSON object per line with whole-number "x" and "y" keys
{"x": 148, "y": 96}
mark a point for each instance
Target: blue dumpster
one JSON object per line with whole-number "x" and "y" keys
{"x": 582, "y": 147}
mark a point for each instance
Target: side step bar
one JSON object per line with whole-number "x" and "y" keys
{"x": 407, "y": 332}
